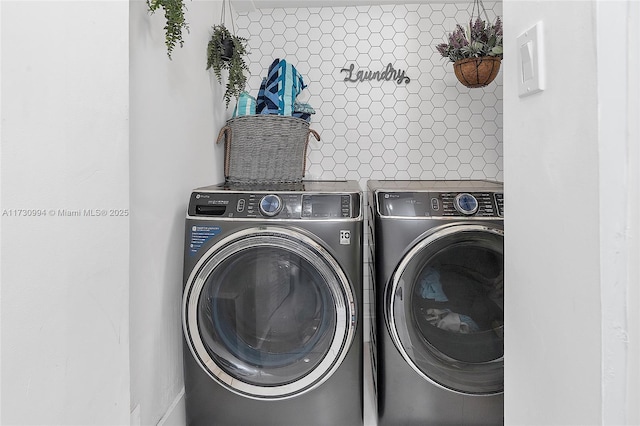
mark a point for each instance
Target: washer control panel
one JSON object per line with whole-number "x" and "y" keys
{"x": 283, "y": 205}
{"x": 442, "y": 204}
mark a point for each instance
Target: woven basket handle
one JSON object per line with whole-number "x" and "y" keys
{"x": 225, "y": 133}
{"x": 306, "y": 145}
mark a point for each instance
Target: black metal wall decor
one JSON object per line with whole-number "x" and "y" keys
{"x": 387, "y": 74}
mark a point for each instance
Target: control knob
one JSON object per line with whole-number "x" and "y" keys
{"x": 466, "y": 204}
{"x": 270, "y": 205}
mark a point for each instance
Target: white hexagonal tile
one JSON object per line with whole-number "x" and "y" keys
{"x": 465, "y": 171}
{"x": 351, "y": 121}
{"x": 389, "y": 116}
{"x": 340, "y": 156}
{"x": 351, "y": 95}
{"x": 413, "y": 128}
{"x": 477, "y": 149}
{"x": 401, "y": 121}
{"x": 427, "y": 163}
{"x": 401, "y": 135}
{"x": 376, "y": 105}
{"x": 491, "y": 143}
{"x": 427, "y": 149}
{"x": 351, "y": 13}
{"x": 489, "y": 114}
{"x": 452, "y": 163}
{"x": 390, "y": 156}
{"x": 402, "y": 163}
{"x": 415, "y": 171}
{"x": 352, "y": 150}
{"x": 440, "y": 170}
{"x": 376, "y": 123}
{"x": 465, "y": 156}
{"x": 491, "y": 156}
{"x": 365, "y": 129}
{"x": 415, "y": 156}
{"x": 491, "y": 170}
{"x": 377, "y": 149}
{"x": 390, "y": 170}
{"x": 439, "y": 142}
{"x": 490, "y": 128}
{"x": 452, "y": 149}
{"x": 365, "y": 157}
{"x": 377, "y": 163}
{"x": 401, "y": 149}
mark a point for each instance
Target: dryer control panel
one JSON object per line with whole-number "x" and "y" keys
{"x": 277, "y": 205}
{"x": 441, "y": 204}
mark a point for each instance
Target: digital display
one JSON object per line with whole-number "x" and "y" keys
{"x": 322, "y": 206}
{"x": 403, "y": 205}
{"x": 323, "y": 209}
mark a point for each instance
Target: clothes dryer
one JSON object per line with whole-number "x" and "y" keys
{"x": 272, "y": 305}
{"x": 437, "y": 249}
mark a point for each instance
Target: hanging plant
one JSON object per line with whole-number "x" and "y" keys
{"x": 176, "y": 23}
{"x": 226, "y": 51}
{"x": 475, "y": 50}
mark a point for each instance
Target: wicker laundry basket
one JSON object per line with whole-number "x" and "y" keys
{"x": 265, "y": 148}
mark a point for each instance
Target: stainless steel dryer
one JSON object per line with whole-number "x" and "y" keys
{"x": 272, "y": 305}
{"x": 437, "y": 249}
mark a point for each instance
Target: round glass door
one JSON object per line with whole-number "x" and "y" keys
{"x": 445, "y": 308}
{"x": 268, "y": 313}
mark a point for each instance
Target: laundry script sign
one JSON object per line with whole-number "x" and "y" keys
{"x": 386, "y": 74}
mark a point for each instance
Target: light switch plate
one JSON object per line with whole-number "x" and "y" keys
{"x": 530, "y": 49}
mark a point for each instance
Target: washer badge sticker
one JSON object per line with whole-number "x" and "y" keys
{"x": 345, "y": 237}
{"x": 200, "y": 235}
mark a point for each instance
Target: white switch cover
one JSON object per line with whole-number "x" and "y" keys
{"x": 531, "y": 61}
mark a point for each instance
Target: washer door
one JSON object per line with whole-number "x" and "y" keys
{"x": 268, "y": 313}
{"x": 445, "y": 311}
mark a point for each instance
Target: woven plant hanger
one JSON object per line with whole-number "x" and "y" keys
{"x": 477, "y": 72}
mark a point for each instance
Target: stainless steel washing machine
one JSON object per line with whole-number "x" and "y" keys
{"x": 272, "y": 305}
{"x": 437, "y": 250}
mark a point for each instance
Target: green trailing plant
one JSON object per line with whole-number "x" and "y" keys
{"x": 226, "y": 51}
{"x": 478, "y": 39}
{"x": 174, "y": 14}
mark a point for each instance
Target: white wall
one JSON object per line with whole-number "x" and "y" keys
{"x": 552, "y": 351}
{"x": 619, "y": 138}
{"x": 572, "y": 228}
{"x": 65, "y": 283}
{"x": 176, "y": 112}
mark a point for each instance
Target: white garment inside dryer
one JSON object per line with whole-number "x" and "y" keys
{"x": 451, "y": 321}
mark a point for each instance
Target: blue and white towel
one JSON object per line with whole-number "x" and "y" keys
{"x": 279, "y": 89}
{"x": 246, "y": 105}
{"x": 302, "y": 110}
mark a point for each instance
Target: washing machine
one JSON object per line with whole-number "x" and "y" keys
{"x": 271, "y": 306}
{"x": 438, "y": 262}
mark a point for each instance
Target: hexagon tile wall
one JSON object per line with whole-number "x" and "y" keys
{"x": 430, "y": 128}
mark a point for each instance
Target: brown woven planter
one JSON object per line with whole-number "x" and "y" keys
{"x": 477, "y": 72}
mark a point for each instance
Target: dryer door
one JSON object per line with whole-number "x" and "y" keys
{"x": 445, "y": 311}
{"x": 268, "y": 313}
